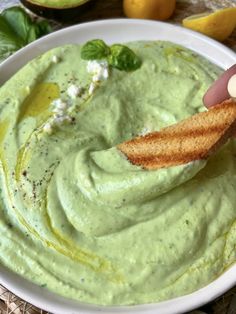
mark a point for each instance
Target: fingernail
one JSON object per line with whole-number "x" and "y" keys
{"x": 218, "y": 92}
{"x": 232, "y": 86}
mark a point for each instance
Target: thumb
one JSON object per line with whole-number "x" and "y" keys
{"x": 218, "y": 92}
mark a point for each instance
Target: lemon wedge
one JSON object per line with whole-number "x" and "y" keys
{"x": 218, "y": 25}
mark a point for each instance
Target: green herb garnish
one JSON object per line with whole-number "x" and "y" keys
{"x": 17, "y": 30}
{"x": 95, "y": 50}
{"x": 118, "y": 56}
{"x": 123, "y": 58}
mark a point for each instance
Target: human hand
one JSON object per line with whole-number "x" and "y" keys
{"x": 222, "y": 89}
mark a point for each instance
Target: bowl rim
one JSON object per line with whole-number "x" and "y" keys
{"x": 32, "y": 50}
{"x": 215, "y": 52}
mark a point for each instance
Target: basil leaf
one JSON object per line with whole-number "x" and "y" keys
{"x": 95, "y": 50}
{"x": 6, "y": 51}
{"x": 43, "y": 28}
{"x": 118, "y": 56}
{"x": 9, "y": 42}
{"x": 17, "y": 30}
{"x": 123, "y": 58}
{"x": 19, "y": 21}
{"x": 38, "y": 30}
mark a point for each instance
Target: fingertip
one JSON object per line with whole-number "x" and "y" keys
{"x": 232, "y": 86}
{"x": 218, "y": 92}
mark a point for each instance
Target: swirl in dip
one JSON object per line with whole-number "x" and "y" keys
{"x": 76, "y": 216}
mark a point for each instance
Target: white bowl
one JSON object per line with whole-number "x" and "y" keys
{"x": 119, "y": 30}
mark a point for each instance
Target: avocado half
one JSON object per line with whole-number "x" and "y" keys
{"x": 61, "y": 10}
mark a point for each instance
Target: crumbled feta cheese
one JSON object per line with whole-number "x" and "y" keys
{"x": 96, "y": 78}
{"x": 55, "y": 59}
{"x": 59, "y": 104}
{"x": 96, "y": 66}
{"x": 99, "y": 69}
{"x": 47, "y": 128}
{"x": 105, "y": 73}
{"x": 92, "y": 88}
{"x": 60, "y": 120}
{"x": 73, "y": 91}
{"x": 60, "y": 114}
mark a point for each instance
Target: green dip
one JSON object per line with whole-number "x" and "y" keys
{"x": 76, "y": 216}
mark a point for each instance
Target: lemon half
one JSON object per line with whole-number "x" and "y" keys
{"x": 218, "y": 25}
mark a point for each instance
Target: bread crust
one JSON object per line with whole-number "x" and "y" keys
{"x": 194, "y": 138}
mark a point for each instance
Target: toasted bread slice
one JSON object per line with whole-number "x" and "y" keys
{"x": 194, "y": 138}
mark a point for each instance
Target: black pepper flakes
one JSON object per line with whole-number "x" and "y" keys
{"x": 10, "y": 226}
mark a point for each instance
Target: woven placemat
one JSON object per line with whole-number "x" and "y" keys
{"x": 11, "y": 304}
{"x": 226, "y": 304}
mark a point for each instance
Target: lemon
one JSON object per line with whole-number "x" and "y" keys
{"x": 149, "y": 9}
{"x": 218, "y": 25}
